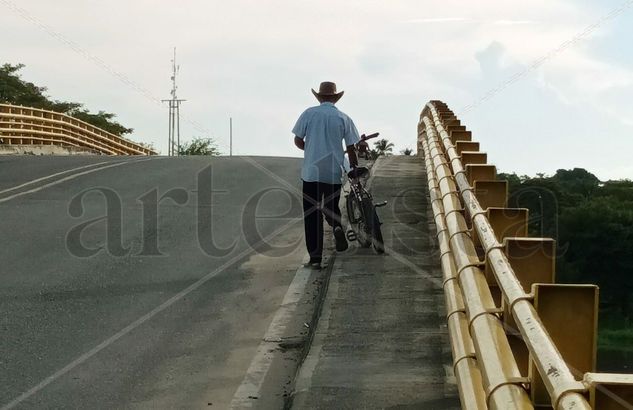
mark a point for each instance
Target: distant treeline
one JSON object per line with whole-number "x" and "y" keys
{"x": 14, "y": 90}
{"x": 592, "y": 222}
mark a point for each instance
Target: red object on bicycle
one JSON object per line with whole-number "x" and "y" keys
{"x": 362, "y": 146}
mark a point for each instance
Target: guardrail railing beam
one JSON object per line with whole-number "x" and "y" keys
{"x": 458, "y": 198}
{"x": 501, "y": 378}
{"x": 27, "y": 125}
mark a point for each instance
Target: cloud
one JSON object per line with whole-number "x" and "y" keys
{"x": 256, "y": 61}
{"x": 437, "y": 20}
{"x": 513, "y": 22}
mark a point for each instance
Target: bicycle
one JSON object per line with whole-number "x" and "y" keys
{"x": 361, "y": 209}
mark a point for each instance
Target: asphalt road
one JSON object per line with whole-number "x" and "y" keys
{"x": 131, "y": 284}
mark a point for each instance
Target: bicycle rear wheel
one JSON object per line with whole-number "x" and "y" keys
{"x": 356, "y": 213}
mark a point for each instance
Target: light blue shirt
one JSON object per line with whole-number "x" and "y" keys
{"x": 323, "y": 128}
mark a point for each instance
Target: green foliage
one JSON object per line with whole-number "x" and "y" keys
{"x": 621, "y": 338}
{"x": 593, "y": 224}
{"x": 599, "y": 234}
{"x": 14, "y": 90}
{"x": 199, "y": 146}
{"x": 148, "y": 145}
{"x": 577, "y": 181}
{"x": 382, "y": 147}
{"x": 406, "y": 151}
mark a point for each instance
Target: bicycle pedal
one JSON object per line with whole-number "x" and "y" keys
{"x": 380, "y": 204}
{"x": 351, "y": 235}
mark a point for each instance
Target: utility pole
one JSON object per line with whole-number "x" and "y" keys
{"x": 173, "y": 139}
{"x": 230, "y": 136}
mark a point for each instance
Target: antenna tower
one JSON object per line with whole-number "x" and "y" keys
{"x": 173, "y": 139}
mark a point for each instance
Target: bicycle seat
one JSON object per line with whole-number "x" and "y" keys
{"x": 358, "y": 172}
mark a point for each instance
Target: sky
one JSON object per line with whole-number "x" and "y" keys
{"x": 542, "y": 84}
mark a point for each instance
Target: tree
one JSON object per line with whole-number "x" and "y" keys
{"x": 148, "y": 145}
{"x": 199, "y": 146}
{"x": 592, "y": 222}
{"x": 373, "y": 154}
{"x": 383, "y": 147}
{"x": 101, "y": 120}
{"x": 578, "y": 181}
{"x": 14, "y": 90}
{"x": 599, "y": 234}
{"x": 406, "y": 151}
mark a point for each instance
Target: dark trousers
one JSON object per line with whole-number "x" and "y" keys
{"x": 313, "y": 212}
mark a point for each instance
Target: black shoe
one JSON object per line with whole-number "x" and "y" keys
{"x": 339, "y": 237}
{"x": 313, "y": 265}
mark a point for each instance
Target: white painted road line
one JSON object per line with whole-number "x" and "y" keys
{"x": 51, "y": 176}
{"x": 138, "y": 322}
{"x": 260, "y": 365}
{"x": 68, "y": 178}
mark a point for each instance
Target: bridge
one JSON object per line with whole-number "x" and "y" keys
{"x": 36, "y": 127}
{"x": 163, "y": 282}
{"x": 519, "y": 340}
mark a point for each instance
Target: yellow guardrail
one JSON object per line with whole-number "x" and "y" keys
{"x": 518, "y": 340}
{"x": 34, "y": 126}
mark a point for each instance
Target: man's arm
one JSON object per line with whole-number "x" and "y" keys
{"x": 351, "y": 153}
{"x": 351, "y": 139}
{"x": 300, "y": 143}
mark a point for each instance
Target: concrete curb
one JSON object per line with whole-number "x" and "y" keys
{"x": 300, "y": 381}
{"x": 287, "y": 339}
{"x": 6, "y": 149}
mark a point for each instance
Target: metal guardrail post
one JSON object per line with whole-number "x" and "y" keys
{"x": 609, "y": 391}
{"x": 462, "y": 146}
{"x": 480, "y": 172}
{"x": 491, "y": 193}
{"x": 570, "y": 315}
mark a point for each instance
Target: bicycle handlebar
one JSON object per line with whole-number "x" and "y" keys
{"x": 370, "y": 136}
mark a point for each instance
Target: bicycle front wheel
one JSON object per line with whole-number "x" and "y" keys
{"x": 376, "y": 233}
{"x": 365, "y": 225}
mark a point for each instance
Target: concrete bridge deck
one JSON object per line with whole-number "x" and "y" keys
{"x": 182, "y": 327}
{"x": 381, "y": 340}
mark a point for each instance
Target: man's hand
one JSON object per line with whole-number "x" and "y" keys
{"x": 351, "y": 153}
{"x": 299, "y": 143}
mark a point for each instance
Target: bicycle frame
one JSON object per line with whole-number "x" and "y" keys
{"x": 361, "y": 210}
{"x": 359, "y": 192}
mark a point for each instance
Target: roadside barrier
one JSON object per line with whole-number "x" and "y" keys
{"x": 518, "y": 339}
{"x": 33, "y": 126}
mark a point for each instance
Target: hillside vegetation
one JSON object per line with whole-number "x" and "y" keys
{"x": 592, "y": 222}
{"x": 15, "y": 90}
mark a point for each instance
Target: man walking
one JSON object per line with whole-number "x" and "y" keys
{"x": 319, "y": 132}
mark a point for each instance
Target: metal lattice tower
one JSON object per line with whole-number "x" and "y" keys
{"x": 173, "y": 139}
